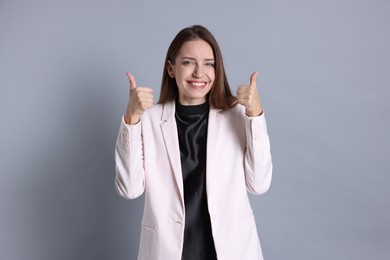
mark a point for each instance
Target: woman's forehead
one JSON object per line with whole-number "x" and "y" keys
{"x": 196, "y": 49}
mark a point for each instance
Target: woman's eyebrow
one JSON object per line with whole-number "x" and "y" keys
{"x": 187, "y": 58}
{"x": 190, "y": 58}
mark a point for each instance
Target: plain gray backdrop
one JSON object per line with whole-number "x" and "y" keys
{"x": 324, "y": 83}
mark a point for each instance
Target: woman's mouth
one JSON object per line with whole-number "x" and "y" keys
{"x": 197, "y": 84}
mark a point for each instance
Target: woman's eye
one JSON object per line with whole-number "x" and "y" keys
{"x": 210, "y": 64}
{"x": 186, "y": 62}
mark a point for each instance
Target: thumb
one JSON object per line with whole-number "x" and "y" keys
{"x": 133, "y": 84}
{"x": 253, "y": 78}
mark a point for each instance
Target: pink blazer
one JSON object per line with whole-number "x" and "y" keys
{"x": 238, "y": 160}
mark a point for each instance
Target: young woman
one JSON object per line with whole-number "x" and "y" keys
{"x": 195, "y": 155}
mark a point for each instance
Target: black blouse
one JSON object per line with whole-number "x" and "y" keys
{"x": 192, "y": 131}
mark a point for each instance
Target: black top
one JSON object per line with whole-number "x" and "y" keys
{"x": 192, "y": 131}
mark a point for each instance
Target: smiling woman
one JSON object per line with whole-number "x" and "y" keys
{"x": 195, "y": 155}
{"x": 219, "y": 96}
{"x": 194, "y": 72}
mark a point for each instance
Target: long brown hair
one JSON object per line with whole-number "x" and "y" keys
{"x": 220, "y": 96}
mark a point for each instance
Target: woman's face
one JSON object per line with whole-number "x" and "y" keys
{"x": 193, "y": 71}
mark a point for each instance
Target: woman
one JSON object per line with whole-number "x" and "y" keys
{"x": 195, "y": 154}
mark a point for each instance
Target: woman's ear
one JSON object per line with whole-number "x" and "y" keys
{"x": 170, "y": 70}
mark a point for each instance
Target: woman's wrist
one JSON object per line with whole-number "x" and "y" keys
{"x": 131, "y": 119}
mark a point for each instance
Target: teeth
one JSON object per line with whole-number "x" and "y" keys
{"x": 198, "y": 84}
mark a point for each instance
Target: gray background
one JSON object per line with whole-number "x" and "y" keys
{"x": 325, "y": 70}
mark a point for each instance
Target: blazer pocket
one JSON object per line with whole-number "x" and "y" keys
{"x": 148, "y": 247}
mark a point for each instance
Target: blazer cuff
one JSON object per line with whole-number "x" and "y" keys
{"x": 129, "y": 132}
{"x": 256, "y": 127}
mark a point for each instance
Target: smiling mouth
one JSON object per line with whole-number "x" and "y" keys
{"x": 197, "y": 84}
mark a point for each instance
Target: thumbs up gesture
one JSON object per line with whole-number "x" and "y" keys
{"x": 140, "y": 99}
{"x": 248, "y": 96}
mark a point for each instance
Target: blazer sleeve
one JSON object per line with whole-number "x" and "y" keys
{"x": 257, "y": 162}
{"x": 129, "y": 166}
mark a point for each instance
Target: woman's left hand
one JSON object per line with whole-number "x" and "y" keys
{"x": 248, "y": 96}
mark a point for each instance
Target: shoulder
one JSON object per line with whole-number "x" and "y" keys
{"x": 229, "y": 119}
{"x": 237, "y": 112}
{"x": 158, "y": 112}
{"x": 155, "y": 109}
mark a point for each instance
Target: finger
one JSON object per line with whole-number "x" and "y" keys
{"x": 242, "y": 96}
{"x": 241, "y": 101}
{"x": 143, "y": 94}
{"x": 146, "y": 99}
{"x": 133, "y": 84}
{"x": 144, "y": 89}
{"x": 253, "y": 78}
{"x": 242, "y": 89}
{"x": 147, "y": 104}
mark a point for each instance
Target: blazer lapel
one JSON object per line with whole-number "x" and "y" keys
{"x": 171, "y": 140}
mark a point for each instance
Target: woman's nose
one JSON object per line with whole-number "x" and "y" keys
{"x": 198, "y": 72}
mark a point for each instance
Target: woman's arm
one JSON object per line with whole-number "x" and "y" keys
{"x": 129, "y": 166}
{"x": 129, "y": 160}
{"x": 257, "y": 162}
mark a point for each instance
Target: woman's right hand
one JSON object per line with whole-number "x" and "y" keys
{"x": 140, "y": 99}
